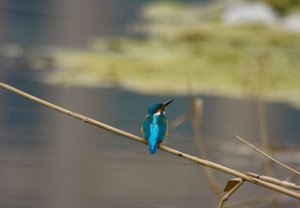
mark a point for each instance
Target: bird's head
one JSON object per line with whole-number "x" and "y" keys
{"x": 158, "y": 108}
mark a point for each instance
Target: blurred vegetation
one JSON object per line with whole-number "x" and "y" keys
{"x": 283, "y": 6}
{"x": 217, "y": 59}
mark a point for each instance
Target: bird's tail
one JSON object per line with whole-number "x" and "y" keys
{"x": 152, "y": 146}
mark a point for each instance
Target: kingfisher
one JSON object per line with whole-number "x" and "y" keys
{"x": 155, "y": 126}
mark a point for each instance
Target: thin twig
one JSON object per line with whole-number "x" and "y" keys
{"x": 179, "y": 121}
{"x": 293, "y": 178}
{"x": 161, "y": 147}
{"x": 274, "y": 181}
{"x": 262, "y": 113}
{"x": 238, "y": 183}
{"x": 196, "y": 113}
{"x": 197, "y": 107}
{"x": 266, "y": 155}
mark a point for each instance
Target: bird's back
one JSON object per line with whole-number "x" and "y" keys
{"x": 155, "y": 130}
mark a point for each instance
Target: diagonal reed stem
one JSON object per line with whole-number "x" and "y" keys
{"x": 197, "y": 108}
{"x": 161, "y": 147}
{"x": 237, "y": 185}
{"x": 274, "y": 181}
{"x": 267, "y": 156}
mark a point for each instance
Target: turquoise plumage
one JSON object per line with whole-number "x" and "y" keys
{"x": 155, "y": 126}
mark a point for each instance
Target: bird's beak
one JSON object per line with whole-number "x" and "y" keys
{"x": 167, "y": 102}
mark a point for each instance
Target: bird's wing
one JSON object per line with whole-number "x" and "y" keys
{"x": 145, "y": 128}
{"x": 163, "y": 129}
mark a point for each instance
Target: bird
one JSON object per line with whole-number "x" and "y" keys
{"x": 155, "y": 125}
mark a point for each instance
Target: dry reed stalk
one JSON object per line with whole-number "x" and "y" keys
{"x": 262, "y": 113}
{"x": 197, "y": 109}
{"x": 161, "y": 147}
{"x": 263, "y": 134}
{"x": 196, "y": 112}
{"x": 274, "y": 181}
{"x": 267, "y": 156}
{"x": 179, "y": 121}
{"x": 231, "y": 187}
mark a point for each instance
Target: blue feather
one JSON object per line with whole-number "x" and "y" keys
{"x": 154, "y": 130}
{"x": 155, "y": 126}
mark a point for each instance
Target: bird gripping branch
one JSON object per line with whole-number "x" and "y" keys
{"x": 155, "y": 126}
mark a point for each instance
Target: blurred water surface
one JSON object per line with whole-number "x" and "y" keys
{"x": 50, "y": 160}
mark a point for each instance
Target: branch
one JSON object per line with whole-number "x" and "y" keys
{"x": 262, "y": 60}
{"x": 196, "y": 113}
{"x": 267, "y": 156}
{"x": 231, "y": 187}
{"x": 161, "y": 147}
{"x": 178, "y": 121}
{"x": 274, "y": 180}
{"x": 197, "y": 109}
